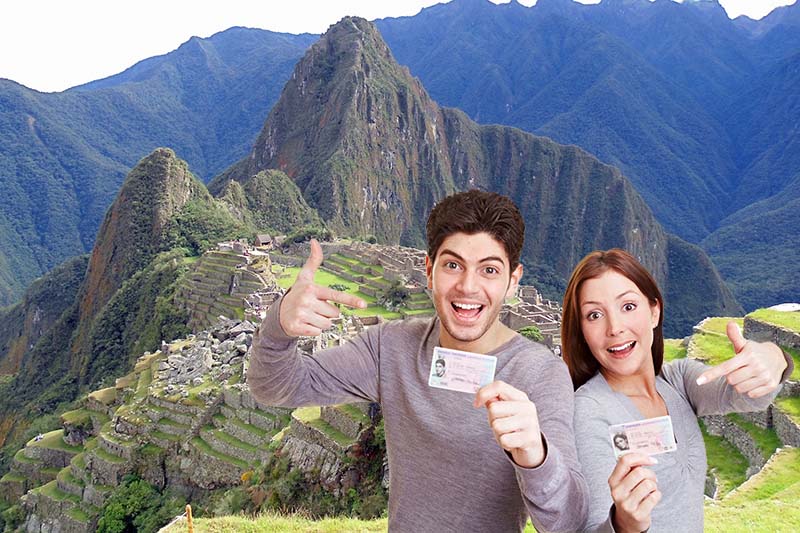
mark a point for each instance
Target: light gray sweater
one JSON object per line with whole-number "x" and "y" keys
{"x": 447, "y": 471}
{"x": 681, "y": 474}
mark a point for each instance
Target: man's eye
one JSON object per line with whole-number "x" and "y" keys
{"x": 491, "y": 270}
{"x": 451, "y": 265}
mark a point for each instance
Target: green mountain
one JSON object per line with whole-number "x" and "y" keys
{"x": 85, "y": 322}
{"x": 63, "y": 156}
{"x": 371, "y": 151}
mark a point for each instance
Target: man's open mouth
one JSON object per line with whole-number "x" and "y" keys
{"x": 466, "y": 311}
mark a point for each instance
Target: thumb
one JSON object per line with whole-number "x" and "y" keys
{"x": 312, "y": 263}
{"x": 735, "y": 335}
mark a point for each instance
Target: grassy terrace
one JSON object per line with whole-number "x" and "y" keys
{"x": 767, "y": 502}
{"x": 204, "y": 447}
{"x": 787, "y": 319}
{"x": 726, "y": 461}
{"x": 54, "y": 440}
{"x": 108, "y": 457}
{"x": 78, "y": 514}
{"x": 20, "y": 457}
{"x": 790, "y": 406}
{"x": 52, "y": 491}
{"x": 311, "y": 417}
{"x": 354, "y": 412}
{"x": 766, "y": 440}
{"x": 78, "y": 417}
{"x": 165, "y": 436}
{"x": 105, "y": 396}
{"x": 712, "y": 348}
{"x": 673, "y": 349}
{"x": 13, "y": 477}
{"x": 718, "y": 325}
{"x": 65, "y": 475}
{"x": 145, "y": 377}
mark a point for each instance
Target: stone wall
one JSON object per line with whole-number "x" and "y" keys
{"x": 787, "y": 429}
{"x": 721, "y": 426}
{"x": 761, "y": 331}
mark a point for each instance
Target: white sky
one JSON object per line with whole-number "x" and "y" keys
{"x": 51, "y": 45}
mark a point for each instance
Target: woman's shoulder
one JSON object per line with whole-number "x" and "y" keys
{"x": 595, "y": 386}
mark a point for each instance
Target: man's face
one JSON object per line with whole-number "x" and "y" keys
{"x": 439, "y": 369}
{"x": 470, "y": 277}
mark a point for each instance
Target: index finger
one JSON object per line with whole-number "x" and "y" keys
{"x": 722, "y": 369}
{"x": 627, "y": 463}
{"x": 497, "y": 390}
{"x": 312, "y": 263}
{"x": 349, "y": 300}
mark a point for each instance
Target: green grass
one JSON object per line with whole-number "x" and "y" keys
{"x": 727, "y": 462}
{"x": 145, "y": 377}
{"x": 275, "y": 523}
{"x": 108, "y": 457}
{"x": 767, "y": 502}
{"x": 78, "y": 514}
{"x": 311, "y": 417}
{"x": 787, "y": 319}
{"x": 278, "y": 523}
{"x": 54, "y": 440}
{"x": 204, "y": 447}
{"x": 795, "y": 354}
{"x": 105, "y": 396}
{"x": 79, "y": 461}
{"x": 52, "y": 491}
{"x": 165, "y": 436}
{"x": 673, "y": 349}
{"x": 20, "y": 457}
{"x": 719, "y": 325}
{"x": 151, "y": 450}
{"x": 78, "y": 417}
{"x": 13, "y": 477}
{"x": 790, "y": 406}
{"x": 232, "y": 441}
{"x": 712, "y": 348}
{"x": 354, "y": 412}
{"x": 248, "y": 427}
{"x": 766, "y": 440}
{"x": 65, "y": 475}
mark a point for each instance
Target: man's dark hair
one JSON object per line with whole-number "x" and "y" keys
{"x": 474, "y": 212}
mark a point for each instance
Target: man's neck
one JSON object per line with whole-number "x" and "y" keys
{"x": 495, "y": 337}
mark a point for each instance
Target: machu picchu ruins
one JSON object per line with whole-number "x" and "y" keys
{"x": 184, "y": 418}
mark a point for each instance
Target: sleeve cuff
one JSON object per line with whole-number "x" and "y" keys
{"x": 789, "y": 366}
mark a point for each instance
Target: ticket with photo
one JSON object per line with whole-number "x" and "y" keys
{"x": 461, "y": 371}
{"x": 651, "y": 436}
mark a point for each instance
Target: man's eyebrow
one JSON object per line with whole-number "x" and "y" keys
{"x": 484, "y": 260}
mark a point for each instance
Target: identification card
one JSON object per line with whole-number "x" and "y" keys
{"x": 651, "y": 436}
{"x": 461, "y": 371}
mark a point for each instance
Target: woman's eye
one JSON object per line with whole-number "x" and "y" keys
{"x": 629, "y": 307}
{"x": 594, "y": 315}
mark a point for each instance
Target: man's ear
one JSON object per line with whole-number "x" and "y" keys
{"x": 429, "y": 271}
{"x": 513, "y": 283}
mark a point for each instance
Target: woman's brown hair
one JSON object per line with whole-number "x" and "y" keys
{"x": 580, "y": 361}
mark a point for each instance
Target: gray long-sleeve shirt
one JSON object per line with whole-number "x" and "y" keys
{"x": 448, "y": 472}
{"x": 681, "y": 474}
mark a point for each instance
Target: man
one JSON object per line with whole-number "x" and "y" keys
{"x": 450, "y": 470}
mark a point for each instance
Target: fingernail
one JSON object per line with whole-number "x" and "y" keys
{"x": 701, "y": 380}
{"x": 654, "y": 460}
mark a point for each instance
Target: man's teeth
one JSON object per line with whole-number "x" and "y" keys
{"x": 467, "y": 306}
{"x": 621, "y": 348}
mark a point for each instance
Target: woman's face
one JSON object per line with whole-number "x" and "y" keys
{"x": 617, "y": 322}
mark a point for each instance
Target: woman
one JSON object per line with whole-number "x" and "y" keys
{"x": 613, "y": 344}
